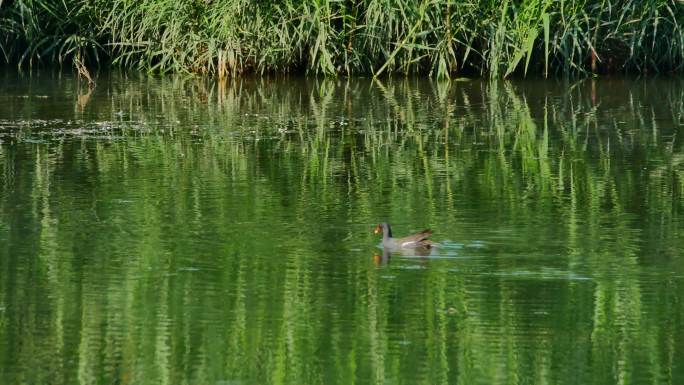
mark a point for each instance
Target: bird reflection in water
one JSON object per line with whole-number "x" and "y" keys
{"x": 381, "y": 259}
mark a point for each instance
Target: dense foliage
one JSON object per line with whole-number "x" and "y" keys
{"x": 439, "y": 37}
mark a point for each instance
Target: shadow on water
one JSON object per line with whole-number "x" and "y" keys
{"x": 170, "y": 230}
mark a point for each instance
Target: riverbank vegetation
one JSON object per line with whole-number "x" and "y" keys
{"x": 441, "y": 38}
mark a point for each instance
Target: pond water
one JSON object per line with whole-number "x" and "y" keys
{"x": 189, "y": 231}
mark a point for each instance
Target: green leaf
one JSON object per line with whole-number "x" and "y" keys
{"x": 545, "y": 22}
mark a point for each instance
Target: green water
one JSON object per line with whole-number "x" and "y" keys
{"x": 184, "y": 231}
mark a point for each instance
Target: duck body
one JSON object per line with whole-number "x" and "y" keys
{"x": 415, "y": 241}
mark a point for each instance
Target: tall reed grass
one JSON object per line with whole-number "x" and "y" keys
{"x": 437, "y": 37}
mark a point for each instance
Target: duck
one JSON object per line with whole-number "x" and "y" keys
{"x": 415, "y": 241}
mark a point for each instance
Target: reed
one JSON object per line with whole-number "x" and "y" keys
{"x": 441, "y": 38}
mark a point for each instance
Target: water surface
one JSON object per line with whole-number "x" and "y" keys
{"x": 189, "y": 231}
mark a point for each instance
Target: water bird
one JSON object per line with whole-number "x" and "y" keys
{"x": 415, "y": 241}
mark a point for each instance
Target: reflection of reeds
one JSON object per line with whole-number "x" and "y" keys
{"x": 82, "y": 99}
{"x": 300, "y": 162}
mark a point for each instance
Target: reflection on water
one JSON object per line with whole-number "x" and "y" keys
{"x": 188, "y": 231}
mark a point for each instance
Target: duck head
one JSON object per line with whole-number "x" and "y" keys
{"x": 383, "y": 228}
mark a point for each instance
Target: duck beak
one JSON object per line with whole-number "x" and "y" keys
{"x": 377, "y": 230}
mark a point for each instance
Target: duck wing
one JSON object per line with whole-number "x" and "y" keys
{"x": 414, "y": 240}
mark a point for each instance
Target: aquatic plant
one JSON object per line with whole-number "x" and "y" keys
{"x": 442, "y": 38}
